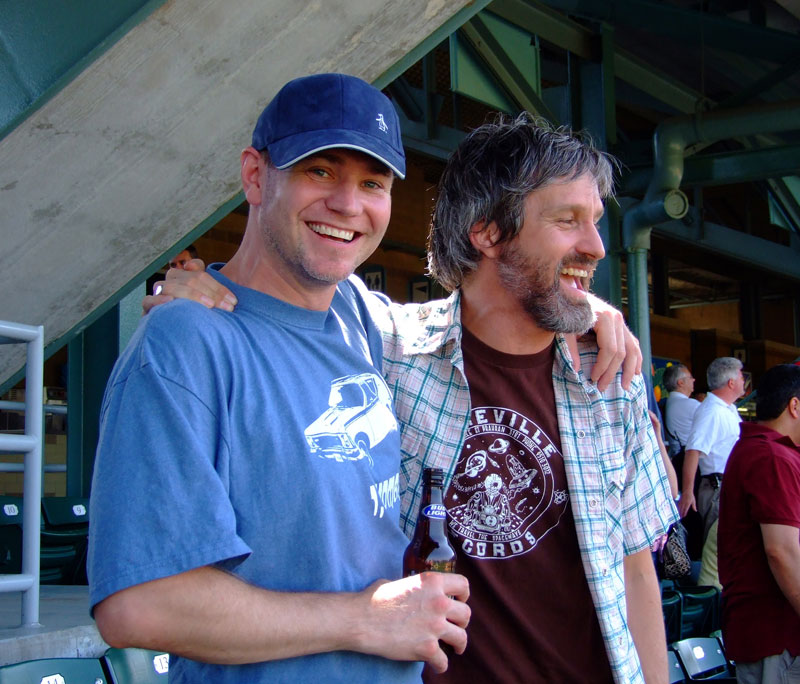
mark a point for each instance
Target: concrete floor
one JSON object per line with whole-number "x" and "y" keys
{"x": 66, "y": 630}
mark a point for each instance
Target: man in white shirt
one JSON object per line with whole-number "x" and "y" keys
{"x": 715, "y": 429}
{"x": 680, "y": 407}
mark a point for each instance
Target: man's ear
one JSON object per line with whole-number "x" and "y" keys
{"x": 484, "y": 238}
{"x": 251, "y": 162}
{"x": 794, "y": 407}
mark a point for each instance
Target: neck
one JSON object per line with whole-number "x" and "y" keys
{"x": 498, "y": 320}
{"x": 725, "y": 394}
{"x": 786, "y": 425}
{"x": 260, "y": 268}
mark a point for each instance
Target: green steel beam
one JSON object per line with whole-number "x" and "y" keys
{"x": 428, "y": 44}
{"x": 687, "y": 26}
{"x": 92, "y": 355}
{"x": 489, "y": 42}
{"x": 470, "y": 77}
{"x": 748, "y": 249}
{"x": 725, "y": 168}
{"x": 561, "y": 31}
{"x": 763, "y": 84}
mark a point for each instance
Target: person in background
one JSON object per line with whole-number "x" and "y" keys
{"x": 715, "y": 429}
{"x": 184, "y": 257}
{"x": 709, "y": 563}
{"x": 759, "y": 536}
{"x": 679, "y": 408}
{"x": 236, "y": 520}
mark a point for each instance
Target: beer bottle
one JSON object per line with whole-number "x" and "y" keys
{"x": 429, "y": 549}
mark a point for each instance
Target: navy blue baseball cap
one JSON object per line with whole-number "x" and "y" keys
{"x": 325, "y": 111}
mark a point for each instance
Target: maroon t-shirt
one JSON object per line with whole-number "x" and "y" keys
{"x": 511, "y": 524}
{"x": 761, "y": 484}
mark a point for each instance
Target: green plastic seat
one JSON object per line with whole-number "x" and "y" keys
{"x": 676, "y": 674}
{"x": 701, "y": 611}
{"x": 54, "y": 671}
{"x": 136, "y": 666}
{"x": 703, "y": 659}
{"x": 672, "y": 609}
{"x": 10, "y": 535}
{"x": 64, "y": 533}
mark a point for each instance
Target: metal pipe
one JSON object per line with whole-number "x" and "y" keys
{"x": 32, "y": 482}
{"x": 664, "y": 200}
{"x": 58, "y": 409}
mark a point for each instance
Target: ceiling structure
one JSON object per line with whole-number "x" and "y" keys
{"x": 716, "y": 80}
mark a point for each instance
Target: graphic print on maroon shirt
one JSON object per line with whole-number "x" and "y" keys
{"x": 503, "y": 498}
{"x": 510, "y": 522}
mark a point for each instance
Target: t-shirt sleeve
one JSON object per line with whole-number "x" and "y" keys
{"x": 648, "y": 509}
{"x": 706, "y": 426}
{"x": 159, "y": 503}
{"x": 775, "y": 498}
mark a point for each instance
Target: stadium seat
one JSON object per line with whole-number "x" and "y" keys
{"x": 65, "y": 526}
{"x": 54, "y": 671}
{"x": 703, "y": 658}
{"x": 136, "y": 666}
{"x": 672, "y": 608}
{"x": 676, "y": 674}
{"x": 700, "y": 614}
{"x": 10, "y": 535}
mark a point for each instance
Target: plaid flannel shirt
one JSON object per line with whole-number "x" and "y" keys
{"x": 618, "y": 488}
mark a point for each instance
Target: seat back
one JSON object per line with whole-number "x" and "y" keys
{"x": 672, "y": 609}
{"x": 136, "y": 666}
{"x": 700, "y": 614}
{"x": 702, "y": 658}
{"x": 676, "y": 674}
{"x": 65, "y": 527}
{"x": 10, "y": 535}
{"x": 54, "y": 671}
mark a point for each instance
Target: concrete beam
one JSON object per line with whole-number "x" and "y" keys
{"x": 143, "y": 145}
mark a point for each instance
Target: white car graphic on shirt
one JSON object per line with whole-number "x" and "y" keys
{"x": 359, "y": 416}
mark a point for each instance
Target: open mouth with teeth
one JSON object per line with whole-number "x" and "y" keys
{"x": 581, "y": 277}
{"x": 336, "y": 234}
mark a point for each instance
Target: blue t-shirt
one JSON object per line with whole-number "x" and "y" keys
{"x": 262, "y": 441}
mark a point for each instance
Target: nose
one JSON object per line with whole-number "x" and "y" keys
{"x": 592, "y": 244}
{"x": 344, "y": 198}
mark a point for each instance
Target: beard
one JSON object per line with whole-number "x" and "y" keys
{"x": 538, "y": 290}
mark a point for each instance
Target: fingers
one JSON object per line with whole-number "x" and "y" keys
{"x": 453, "y": 585}
{"x": 194, "y": 265}
{"x": 611, "y": 348}
{"x": 198, "y": 286}
{"x": 410, "y": 619}
{"x": 154, "y": 300}
{"x": 633, "y": 358}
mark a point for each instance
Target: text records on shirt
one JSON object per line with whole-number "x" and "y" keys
{"x": 504, "y": 496}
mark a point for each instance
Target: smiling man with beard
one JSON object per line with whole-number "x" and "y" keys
{"x": 563, "y": 587}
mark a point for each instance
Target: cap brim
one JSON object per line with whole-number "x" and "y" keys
{"x": 290, "y": 150}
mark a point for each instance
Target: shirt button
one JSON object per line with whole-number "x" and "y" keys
{"x": 581, "y": 434}
{"x": 593, "y": 503}
{"x": 605, "y": 572}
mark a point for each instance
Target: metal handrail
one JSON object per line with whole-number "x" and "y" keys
{"x": 30, "y": 444}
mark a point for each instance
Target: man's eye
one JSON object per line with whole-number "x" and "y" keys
{"x": 322, "y": 173}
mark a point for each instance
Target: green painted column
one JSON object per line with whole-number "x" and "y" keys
{"x": 91, "y": 356}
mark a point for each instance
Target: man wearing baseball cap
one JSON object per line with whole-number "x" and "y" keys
{"x": 245, "y": 517}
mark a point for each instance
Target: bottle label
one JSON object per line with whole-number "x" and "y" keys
{"x": 435, "y": 512}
